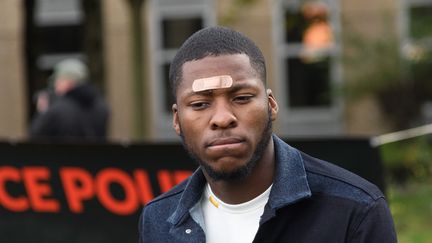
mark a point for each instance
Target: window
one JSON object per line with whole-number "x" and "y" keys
{"x": 417, "y": 35}
{"x": 61, "y": 39}
{"x": 54, "y": 31}
{"x": 307, "y": 66}
{"x": 420, "y": 14}
{"x": 420, "y": 32}
{"x": 171, "y": 23}
{"x": 60, "y": 28}
{"x": 416, "y": 49}
{"x": 174, "y": 33}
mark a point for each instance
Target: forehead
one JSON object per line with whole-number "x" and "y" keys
{"x": 237, "y": 66}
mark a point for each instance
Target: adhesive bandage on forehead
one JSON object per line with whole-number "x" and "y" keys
{"x": 215, "y": 82}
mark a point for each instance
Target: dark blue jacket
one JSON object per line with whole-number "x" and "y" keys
{"x": 310, "y": 201}
{"x": 80, "y": 114}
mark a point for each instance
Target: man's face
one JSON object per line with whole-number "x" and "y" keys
{"x": 62, "y": 85}
{"x": 226, "y": 129}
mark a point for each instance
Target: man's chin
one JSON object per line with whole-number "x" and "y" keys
{"x": 227, "y": 174}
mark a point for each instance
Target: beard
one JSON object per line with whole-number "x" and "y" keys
{"x": 242, "y": 171}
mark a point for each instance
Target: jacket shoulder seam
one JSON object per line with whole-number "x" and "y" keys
{"x": 375, "y": 196}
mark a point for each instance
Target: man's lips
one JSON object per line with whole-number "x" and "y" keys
{"x": 224, "y": 141}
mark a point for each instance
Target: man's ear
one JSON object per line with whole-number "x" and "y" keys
{"x": 176, "y": 124}
{"x": 273, "y": 105}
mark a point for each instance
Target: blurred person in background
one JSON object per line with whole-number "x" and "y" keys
{"x": 74, "y": 109}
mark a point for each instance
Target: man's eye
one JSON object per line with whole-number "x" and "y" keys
{"x": 199, "y": 105}
{"x": 243, "y": 98}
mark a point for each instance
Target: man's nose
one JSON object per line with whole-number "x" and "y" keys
{"x": 223, "y": 116}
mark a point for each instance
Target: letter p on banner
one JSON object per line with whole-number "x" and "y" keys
{"x": 78, "y": 186}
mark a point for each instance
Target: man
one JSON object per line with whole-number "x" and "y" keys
{"x": 251, "y": 186}
{"x": 77, "y": 112}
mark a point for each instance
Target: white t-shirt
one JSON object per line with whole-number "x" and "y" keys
{"x": 234, "y": 223}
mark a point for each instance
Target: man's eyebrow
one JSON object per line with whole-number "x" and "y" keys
{"x": 204, "y": 93}
{"x": 239, "y": 86}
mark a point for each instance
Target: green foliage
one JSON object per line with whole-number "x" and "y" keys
{"x": 373, "y": 66}
{"x": 411, "y": 207}
{"x": 408, "y": 166}
{"x": 420, "y": 22}
{"x": 400, "y": 82}
{"x": 235, "y": 7}
{"x": 408, "y": 160}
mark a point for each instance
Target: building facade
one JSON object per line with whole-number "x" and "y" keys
{"x": 131, "y": 46}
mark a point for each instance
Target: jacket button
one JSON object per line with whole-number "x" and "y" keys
{"x": 188, "y": 231}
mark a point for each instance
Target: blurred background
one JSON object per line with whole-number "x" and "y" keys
{"x": 339, "y": 68}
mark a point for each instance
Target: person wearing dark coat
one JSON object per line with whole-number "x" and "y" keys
{"x": 78, "y": 111}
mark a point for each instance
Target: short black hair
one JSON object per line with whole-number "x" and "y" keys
{"x": 215, "y": 41}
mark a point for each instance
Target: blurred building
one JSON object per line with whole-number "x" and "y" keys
{"x": 129, "y": 45}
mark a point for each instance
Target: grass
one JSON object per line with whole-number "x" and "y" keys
{"x": 411, "y": 206}
{"x": 408, "y": 166}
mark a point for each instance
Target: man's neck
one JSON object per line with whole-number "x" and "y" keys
{"x": 253, "y": 185}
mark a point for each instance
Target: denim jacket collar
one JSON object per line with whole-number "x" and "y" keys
{"x": 289, "y": 185}
{"x": 290, "y": 182}
{"x": 190, "y": 196}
